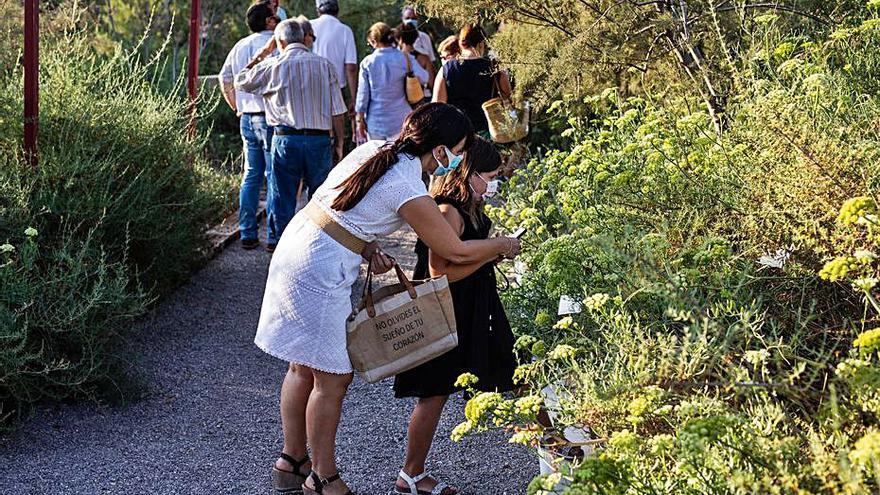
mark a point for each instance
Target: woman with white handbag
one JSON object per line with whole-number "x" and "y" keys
{"x": 371, "y": 193}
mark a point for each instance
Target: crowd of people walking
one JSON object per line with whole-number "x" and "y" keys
{"x": 287, "y": 83}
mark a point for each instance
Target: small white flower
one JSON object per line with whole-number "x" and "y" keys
{"x": 757, "y": 357}
{"x": 7, "y": 248}
{"x": 31, "y": 232}
{"x": 865, "y": 284}
{"x": 864, "y": 255}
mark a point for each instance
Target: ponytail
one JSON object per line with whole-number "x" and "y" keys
{"x": 429, "y": 126}
{"x": 471, "y": 35}
{"x": 355, "y": 187}
{"x": 450, "y": 47}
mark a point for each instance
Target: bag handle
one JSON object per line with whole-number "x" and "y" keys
{"x": 496, "y": 78}
{"x": 409, "y": 72}
{"x": 367, "y": 295}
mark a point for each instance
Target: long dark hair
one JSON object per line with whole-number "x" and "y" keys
{"x": 406, "y": 34}
{"x": 481, "y": 158}
{"x": 429, "y": 126}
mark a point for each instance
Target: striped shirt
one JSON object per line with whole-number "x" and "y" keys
{"x": 299, "y": 89}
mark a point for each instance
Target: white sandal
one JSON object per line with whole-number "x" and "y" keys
{"x": 411, "y": 482}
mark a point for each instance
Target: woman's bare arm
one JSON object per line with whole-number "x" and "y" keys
{"x": 439, "y": 88}
{"x": 425, "y": 218}
{"x": 504, "y": 84}
{"x": 441, "y": 266}
{"x": 438, "y": 266}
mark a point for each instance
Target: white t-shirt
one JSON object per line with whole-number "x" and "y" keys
{"x": 376, "y": 214}
{"x": 238, "y": 58}
{"x": 335, "y": 42}
{"x": 424, "y": 45}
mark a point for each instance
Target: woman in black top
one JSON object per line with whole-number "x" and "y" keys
{"x": 485, "y": 341}
{"x": 469, "y": 81}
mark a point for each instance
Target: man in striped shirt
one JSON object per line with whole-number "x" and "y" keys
{"x": 305, "y": 107}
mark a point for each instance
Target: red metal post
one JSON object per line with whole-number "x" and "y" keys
{"x": 192, "y": 74}
{"x": 31, "y": 79}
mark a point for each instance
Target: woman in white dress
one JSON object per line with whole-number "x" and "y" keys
{"x": 371, "y": 193}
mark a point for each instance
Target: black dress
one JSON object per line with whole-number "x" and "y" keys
{"x": 469, "y": 84}
{"x": 485, "y": 341}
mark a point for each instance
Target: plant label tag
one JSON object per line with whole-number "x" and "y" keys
{"x": 774, "y": 260}
{"x": 576, "y": 434}
{"x": 519, "y": 269}
{"x": 568, "y": 306}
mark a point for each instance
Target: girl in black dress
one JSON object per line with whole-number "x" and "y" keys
{"x": 485, "y": 341}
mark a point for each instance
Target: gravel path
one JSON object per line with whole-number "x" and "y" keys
{"x": 208, "y": 422}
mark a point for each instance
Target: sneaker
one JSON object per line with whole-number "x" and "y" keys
{"x": 250, "y": 244}
{"x": 270, "y": 248}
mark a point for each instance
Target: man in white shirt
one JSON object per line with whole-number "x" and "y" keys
{"x": 423, "y": 44}
{"x": 336, "y": 43}
{"x": 304, "y": 106}
{"x": 255, "y": 133}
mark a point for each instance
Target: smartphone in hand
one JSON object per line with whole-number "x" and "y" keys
{"x": 519, "y": 232}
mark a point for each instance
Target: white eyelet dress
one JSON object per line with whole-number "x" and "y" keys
{"x": 308, "y": 291}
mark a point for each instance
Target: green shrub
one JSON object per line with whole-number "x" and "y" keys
{"x": 61, "y": 311}
{"x": 120, "y": 201}
{"x": 710, "y": 355}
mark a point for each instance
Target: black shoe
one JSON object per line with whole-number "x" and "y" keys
{"x": 270, "y": 248}
{"x": 250, "y": 244}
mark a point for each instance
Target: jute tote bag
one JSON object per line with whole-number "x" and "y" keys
{"x": 508, "y": 120}
{"x": 399, "y": 327}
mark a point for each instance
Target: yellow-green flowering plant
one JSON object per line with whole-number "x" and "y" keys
{"x": 860, "y": 216}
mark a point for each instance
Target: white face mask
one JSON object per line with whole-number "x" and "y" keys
{"x": 491, "y": 187}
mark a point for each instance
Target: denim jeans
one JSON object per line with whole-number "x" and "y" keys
{"x": 257, "y": 138}
{"x": 294, "y": 158}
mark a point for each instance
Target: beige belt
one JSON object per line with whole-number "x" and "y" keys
{"x": 337, "y": 232}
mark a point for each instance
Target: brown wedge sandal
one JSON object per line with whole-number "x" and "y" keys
{"x": 320, "y": 483}
{"x": 291, "y": 482}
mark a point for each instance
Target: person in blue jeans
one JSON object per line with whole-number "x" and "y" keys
{"x": 256, "y": 134}
{"x": 304, "y": 106}
{"x": 295, "y": 156}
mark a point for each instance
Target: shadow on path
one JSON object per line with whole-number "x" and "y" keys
{"x": 209, "y": 421}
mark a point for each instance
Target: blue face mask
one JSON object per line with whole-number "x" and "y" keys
{"x": 412, "y": 22}
{"x": 454, "y": 161}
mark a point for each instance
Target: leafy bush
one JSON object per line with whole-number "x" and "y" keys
{"x": 710, "y": 356}
{"x": 114, "y": 215}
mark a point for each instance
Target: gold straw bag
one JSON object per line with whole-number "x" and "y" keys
{"x": 508, "y": 121}
{"x": 400, "y": 326}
